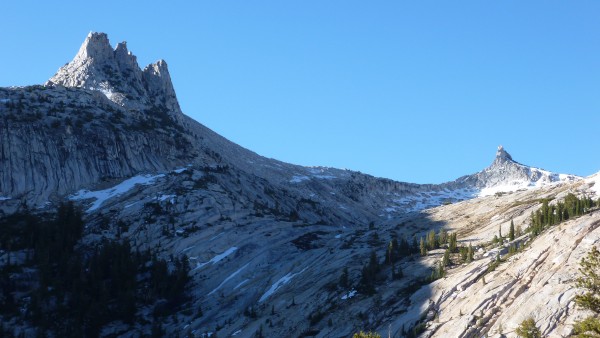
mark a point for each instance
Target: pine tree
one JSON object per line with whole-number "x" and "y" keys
{"x": 528, "y": 329}
{"x": 373, "y": 263}
{"x": 441, "y": 272}
{"x": 344, "y": 279}
{"x": 463, "y": 250}
{"x": 446, "y": 259}
{"x": 452, "y": 245}
{"x": 431, "y": 240}
{"x": 443, "y": 236}
{"x": 470, "y": 253}
{"x": 511, "y": 232}
{"x": 397, "y": 273}
{"x": 389, "y": 257}
{"x": 590, "y": 282}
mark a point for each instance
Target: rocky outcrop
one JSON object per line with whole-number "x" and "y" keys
{"x": 117, "y": 74}
{"x": 50, "y": 155}
{"x": 538, "y": 281}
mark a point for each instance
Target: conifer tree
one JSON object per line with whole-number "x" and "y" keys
{"x": 431, "y": 240}
{"x": 446, "y": 259}
{"x": 528, "y": 329}
{"x": 511, "y": 232}
{"x": 344, "y": 279}
{"x": 590, "y": 282}
{"x": 452, "y": 245}
{"x": 470, "y": 253}
{"x": 443, "y": 236}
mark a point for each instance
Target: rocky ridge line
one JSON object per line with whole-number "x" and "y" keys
{"x": 116, "y": 73}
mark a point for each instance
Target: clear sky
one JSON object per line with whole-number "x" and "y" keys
{"x": 419, "y": 91}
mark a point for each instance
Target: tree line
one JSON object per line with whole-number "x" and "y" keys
{"x": 570, "y": 207}
{"x": 67, "y": 289}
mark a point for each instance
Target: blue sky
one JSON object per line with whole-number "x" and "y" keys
{"x": 417, "y": 91}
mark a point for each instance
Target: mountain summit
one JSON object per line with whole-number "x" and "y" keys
{"x": 502, "y": 155}
{"x": 505, "y": 175}
{"x": 116, "y": 73}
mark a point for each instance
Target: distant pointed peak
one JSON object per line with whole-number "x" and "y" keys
{"x": 159, "y": 68}
{"x": 502, "y": 154}
{"x": 96, "y": 45}
{"x": 122, "y": 48}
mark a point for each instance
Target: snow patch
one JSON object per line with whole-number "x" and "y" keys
{"x": 281, "y": 282}
{"x": 594, "y": 181}
{"x": 241, "y": 283}
{"x": 4, "y": 198}
{"x": 349, "y": 295}
{"x": 325, "y": 177}
{"x": 166, "y": 197}
{"x": 321, "y": 173}
{"x": 131, "y": 204}
{"x": 298, "y": 179}
{"x": 217, "y": 236}
{"x": 180, "y": 170}
{"x": 215, "y": 259}
{"x": 101, "y": 196}
{"x": 236, "y": 333}
{"x": 228, "y": 278}
{"x": 4, "y": 100}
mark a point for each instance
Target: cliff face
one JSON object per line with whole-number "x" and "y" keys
{"x": 100, "y": 117}
{"x": 55, "y": 141}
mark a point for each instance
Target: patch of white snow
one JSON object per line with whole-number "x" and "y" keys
{"x": 101, "y": 196}
{"x": 349, "y": 295}
{"x": 216, "y": 259}
{"x": 166, "y": 197}
{"x": 228, "y": 278}
{"x": 281, "y": 282}
{"x": 594, "y": 181}
{"x": 241, "y": 283}
{"x": 298, "y": 179}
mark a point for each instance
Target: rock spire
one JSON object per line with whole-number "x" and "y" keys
{"x": 116, "y": 73}
{"x": 503, "y": 155}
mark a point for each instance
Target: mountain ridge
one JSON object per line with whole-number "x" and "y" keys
{"x": 147, "y": 98}
{"x": 266, "y": 241}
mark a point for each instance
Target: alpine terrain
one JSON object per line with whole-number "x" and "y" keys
{"x": 124, "y": 217}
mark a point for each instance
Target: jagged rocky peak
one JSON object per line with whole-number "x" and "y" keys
{"x": 159, "y": 86}
{"x": 95, "y": 46}
{"x": 116, "y": 73}
{"x": 503, "y": 155}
